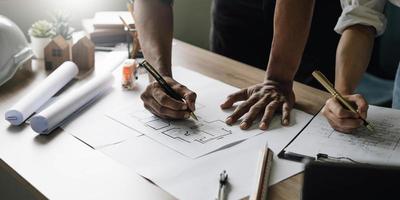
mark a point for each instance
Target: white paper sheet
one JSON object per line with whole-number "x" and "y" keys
{"x": 381, "y": 147}
{"x": 190, "y": 137}
{"x": 30, "y": 103}
{"x": 107, "y": 131}
{"x": 52, "y": 117}
{"x": 187, "y": 178}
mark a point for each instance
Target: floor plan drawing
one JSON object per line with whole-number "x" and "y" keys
{"x": 384, "y": 137}
{"x": 199, "y": 133}
{"x": 380, "y": 146}
{"x": 189, "y": 137}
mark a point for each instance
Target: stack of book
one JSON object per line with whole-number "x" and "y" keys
{"x": 107, "y": 29}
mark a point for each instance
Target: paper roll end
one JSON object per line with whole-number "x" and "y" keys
{"x": 14, "y": 117}
{"x": 76, "y": 68}
{"x": 39, "y": 124}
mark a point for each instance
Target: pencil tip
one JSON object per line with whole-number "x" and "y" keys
{"x": 194, "y": 116}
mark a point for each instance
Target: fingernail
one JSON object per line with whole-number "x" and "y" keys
{"x": 263, "y": 126}
{"x": 222, "y": 106}
{"x": 187, "y": 115}
{"x": 228, "y": 120}
{"x": 285, "y": 122}
{"x": 244, "y": 125}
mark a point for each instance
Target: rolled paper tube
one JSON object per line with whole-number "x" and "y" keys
{"x": 31, "y": 102}
{"x": 53, "y": 116}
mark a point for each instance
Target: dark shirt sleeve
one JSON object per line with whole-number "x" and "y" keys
{"x": 167, "y": 1}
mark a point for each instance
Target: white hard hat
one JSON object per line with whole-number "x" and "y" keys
{"x": 14, "y": 49}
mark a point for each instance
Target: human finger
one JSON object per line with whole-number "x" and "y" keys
{"x": 338, "y": 110}
{"x": 253, "y": 113}
{"x": 241, "y": 95}
{"x": 286, "y": 108}
{"x": 165, "y": 112}
{"x": 190, "y": 98}
{"x": 242, "y": 109}
{"x": 361, "y": 102}
{"x": 343, "y": 123}
{"x": 268, "y": 114}
{"x": 165, "y": 100}
{"x": 187, "y": 94}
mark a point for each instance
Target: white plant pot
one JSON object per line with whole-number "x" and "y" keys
{"x": 38, "y": 45}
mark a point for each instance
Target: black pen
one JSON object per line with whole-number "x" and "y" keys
{"x": 164, "y": 84}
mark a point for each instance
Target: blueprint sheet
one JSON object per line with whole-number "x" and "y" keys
{"x": 380, "y": 147}
{"x": 189, "y": 137}
{"x": 154, "y": 156}
{"x": 197, "y": 179}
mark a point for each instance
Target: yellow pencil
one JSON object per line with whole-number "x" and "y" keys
{"x": 331, "y": 89}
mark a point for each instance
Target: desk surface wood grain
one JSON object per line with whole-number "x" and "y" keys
{"x": 240, "y": 75}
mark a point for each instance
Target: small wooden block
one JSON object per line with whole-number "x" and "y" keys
{"x": 83, "y": 54}
{"x": 56, "y": 53}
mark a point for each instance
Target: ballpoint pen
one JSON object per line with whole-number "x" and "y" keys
{"x": 223, "y": 181}
{"x": 329, "y": 86}
{"x": 153, "y": 72}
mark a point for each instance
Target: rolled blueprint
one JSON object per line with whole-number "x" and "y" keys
{"x": 31, "y": 102}
{"x": 53, "y": 116}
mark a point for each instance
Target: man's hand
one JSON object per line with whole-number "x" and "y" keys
{"x": 261, "y": 99}
{"x": 342, "y": 119}
{"x": 162, "y": 105}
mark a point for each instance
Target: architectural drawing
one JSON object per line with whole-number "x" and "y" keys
{"x": 188, "y": 137}
{"x": 201, "y": 132}
{"x": 385, "y": 136}
{"x": 150, "y": 120}
{"x": 380, "y": 146}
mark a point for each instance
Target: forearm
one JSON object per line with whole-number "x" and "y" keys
{"x": 292, "y": 23}
{"x": 154, "y": 22}
{"x": 352, "y": 57}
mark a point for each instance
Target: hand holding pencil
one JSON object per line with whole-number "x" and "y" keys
{"x": 344, "y": 113}
{"x": 342, "y": 119}
{"x": 166, "y": 98}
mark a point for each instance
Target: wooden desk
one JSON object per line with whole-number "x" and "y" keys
{"x": 40, "y": 175}
{"x": 59, "y": 166}
{"x": 241, "y": 75}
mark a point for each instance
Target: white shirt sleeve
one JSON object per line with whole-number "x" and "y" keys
{"x": 364, "y": 12}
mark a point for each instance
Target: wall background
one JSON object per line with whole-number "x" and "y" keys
{"x": 192, "y": 21}
{"x": 191, "y": 17}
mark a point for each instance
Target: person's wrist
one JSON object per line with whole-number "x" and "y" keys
{"x": 284, "y": 86}
{"x": 163, "y": 66}
{"x": 344, "y": 90}
{"x": 281, "y": 71}
{"x": 167, "y": 72}
{"x": 286, "y": 82}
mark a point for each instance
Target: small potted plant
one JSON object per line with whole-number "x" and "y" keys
{"x": 61, "y": 25}
{"x": 40, "y": 33}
